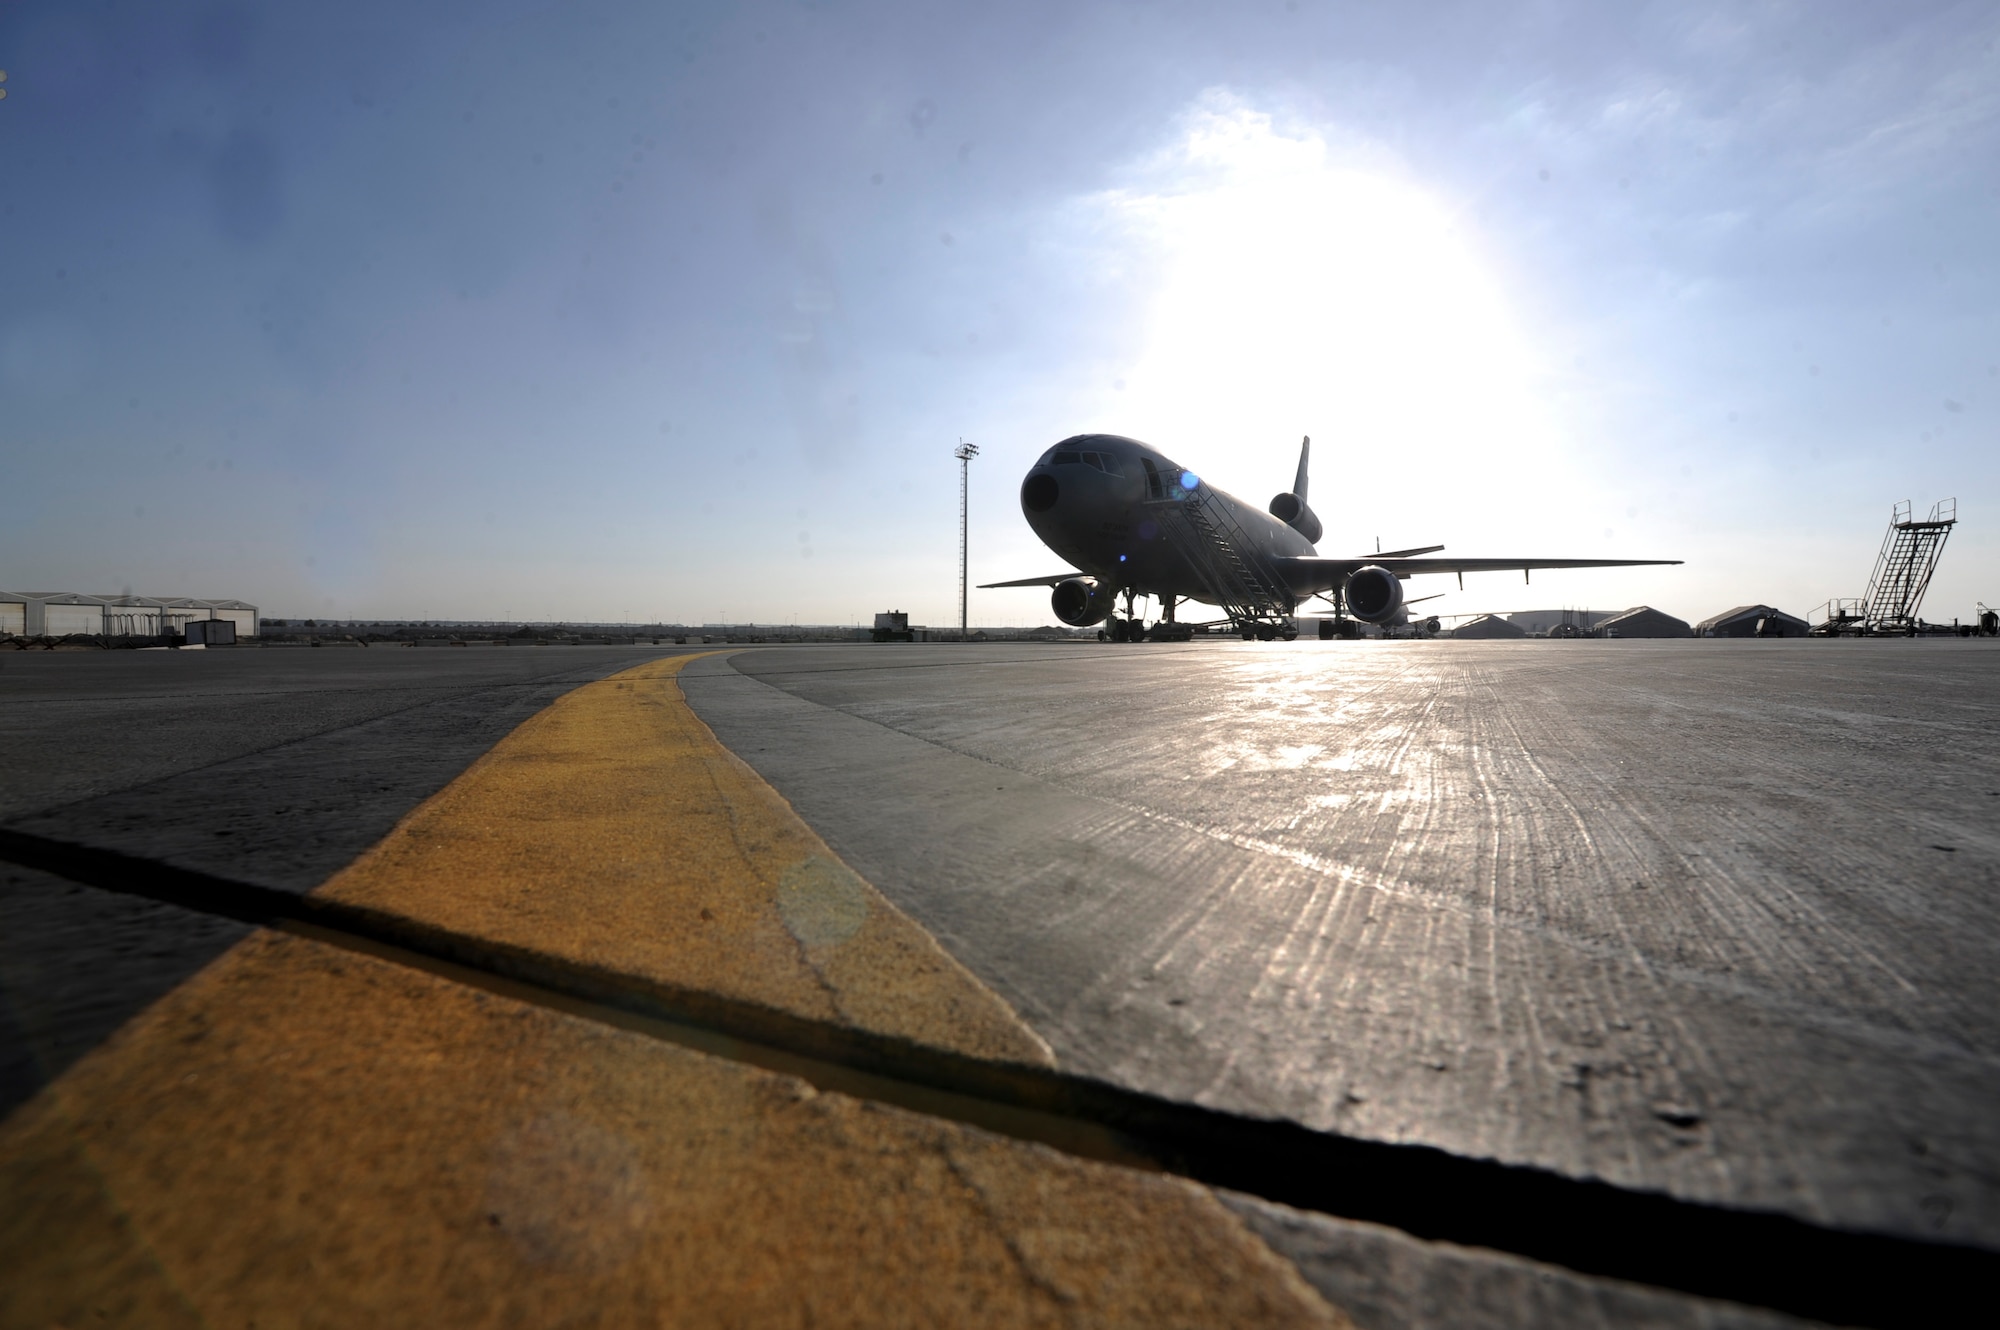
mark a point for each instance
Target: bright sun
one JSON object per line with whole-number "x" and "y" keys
{"x": 1309, "y": 291}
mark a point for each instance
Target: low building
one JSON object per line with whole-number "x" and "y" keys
{"x": 71, "y": 613}
{"x": 894, "y": 626}
{"x": 1752, "y": 621}
{"x": 1487, "y": 625}
{"x": 1644, "y": 621}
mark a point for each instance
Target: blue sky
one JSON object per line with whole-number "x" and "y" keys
{"x": 602, "y": 310}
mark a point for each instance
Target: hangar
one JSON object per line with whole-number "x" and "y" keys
{"x": 1488, "y": 625}
{"x": 1644, "y": 621}
{"x": 70, "y": 613}
{"x": 1556, "y": 623}
{"x": 1752, "y": 621}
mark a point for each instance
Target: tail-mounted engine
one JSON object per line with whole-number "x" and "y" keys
{"x": 1374, "y": 595}
{"x": 1290, "y": 509}
{"x": 1081, "y": 602}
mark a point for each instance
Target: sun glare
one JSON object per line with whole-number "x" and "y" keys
{"x": 1309, "y": 290}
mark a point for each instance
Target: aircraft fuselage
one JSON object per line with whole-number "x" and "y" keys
{"x": 1098, "y": 499}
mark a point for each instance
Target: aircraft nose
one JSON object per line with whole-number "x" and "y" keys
{"x": 1039, "y": 492}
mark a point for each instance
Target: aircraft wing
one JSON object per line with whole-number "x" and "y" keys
{"x": 1330, "y": 572}
{"x": 1050, "y": 580}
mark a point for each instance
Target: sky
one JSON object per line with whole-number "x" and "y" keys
{"x": 607, "y": 311}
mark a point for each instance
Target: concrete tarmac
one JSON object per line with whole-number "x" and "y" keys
{"x": 327, "y": 1122}
{"x": 1711, "y": 917}
{"x": 275, "y": 766}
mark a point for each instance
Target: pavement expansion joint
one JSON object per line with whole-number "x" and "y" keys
{"x": 1647, "y": 1238}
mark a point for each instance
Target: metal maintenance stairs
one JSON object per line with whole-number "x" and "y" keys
{"x": 1224, "y": 560}
{"x": 1910, "y": 553}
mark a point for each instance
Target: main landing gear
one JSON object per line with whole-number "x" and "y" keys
{"x": 1122, "y": 630}
{"x": 1132, "y": 628}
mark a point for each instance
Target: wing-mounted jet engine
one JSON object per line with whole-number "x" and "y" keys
{"x": 1290, "y": 507}
{"x": 1081, "y": 602}
{"x": 1374, "y": 595}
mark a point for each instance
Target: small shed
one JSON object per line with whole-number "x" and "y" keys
{"x": 1752, "y": 621}
{"x": 1644, "y": 621}
{"x": 894, "y": 626}
{"x": 1487, "y": 625}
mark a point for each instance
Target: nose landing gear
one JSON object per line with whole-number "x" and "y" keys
{"x": 1132, "y": 628}
{"x": 1128, "y": 629}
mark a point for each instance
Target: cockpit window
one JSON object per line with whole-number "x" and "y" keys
{"x": 1060, "y": 456}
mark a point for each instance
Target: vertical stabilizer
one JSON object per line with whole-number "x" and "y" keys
{"x": 1305, "y": 451}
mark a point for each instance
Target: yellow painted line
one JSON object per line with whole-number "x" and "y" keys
{"x": 302, "y": 1135}
{"x": 614, "y": 830}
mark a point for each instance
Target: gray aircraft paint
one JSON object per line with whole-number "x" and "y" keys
{"x": 1109, "y": 520}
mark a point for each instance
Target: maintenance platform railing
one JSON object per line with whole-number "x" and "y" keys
{"x": 1903, "y": 570}
{"x": 1223, "y": 558}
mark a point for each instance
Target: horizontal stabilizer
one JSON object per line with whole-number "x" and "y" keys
{"x": 1050, "y": 580}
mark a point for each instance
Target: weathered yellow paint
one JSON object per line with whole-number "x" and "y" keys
{"x": 613, "y": 830}
{"x": 306, "y": 1136}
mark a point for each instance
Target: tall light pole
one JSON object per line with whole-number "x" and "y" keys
{"x": 965, "y": 453}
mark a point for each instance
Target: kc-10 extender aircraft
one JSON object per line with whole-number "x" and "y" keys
{"x": 1136, "y": 524}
